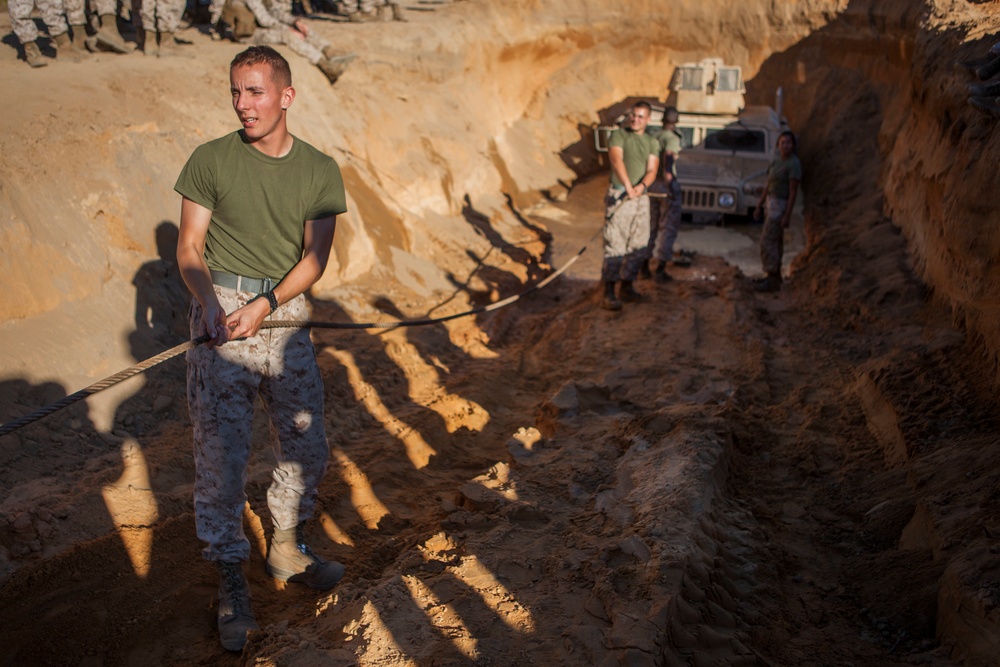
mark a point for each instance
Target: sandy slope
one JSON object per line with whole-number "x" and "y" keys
{"x": 709, "y": 477}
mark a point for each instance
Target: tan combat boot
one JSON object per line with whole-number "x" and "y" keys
{"x": 290, "y": 559}
{"x": 108, "y": 37}
{"x": 149, "y": 47}
{"x": 168, "y": 45}
{"x": 80, "y": 38}
{"x": 65, "y": 49}
{"x": 397, "y": 12}
{"x": 33, "y": 55}
{"x": 334, "y": 66}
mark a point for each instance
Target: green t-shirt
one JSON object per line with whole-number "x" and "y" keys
{"x": 260, "y": 203}
{"x": 669, "y": 140}
{"x": 779, "y": 173}
{"x": 636, "y": 149}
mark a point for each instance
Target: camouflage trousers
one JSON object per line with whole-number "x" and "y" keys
{"x": 223, "y": 384}
{"x": 772, "y": 236}
{"x": 348, "y": 7}
{"x": 310, "y": 48}
{"x": 24, "y": 27}
{"x": 75, "y": 12}
{"x": 247, "y": 31}
{"x": 104, "y": 7}
{"x": 664, "y": 220}
{"x": 626, "y": 236}
{"x": 162, "y": 15}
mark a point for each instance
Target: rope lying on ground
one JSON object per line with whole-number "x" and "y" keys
{"x": 121, "y": 376}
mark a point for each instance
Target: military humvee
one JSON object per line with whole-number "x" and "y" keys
{"x": 727, "y": 146}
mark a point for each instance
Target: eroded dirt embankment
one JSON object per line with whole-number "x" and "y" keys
{"x": 713, "y": 477}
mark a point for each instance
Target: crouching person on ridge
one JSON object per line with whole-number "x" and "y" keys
{"x": 253, "y": 22}
{"x": 258, "y": 214}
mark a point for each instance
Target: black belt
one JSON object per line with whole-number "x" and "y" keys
{"x": 242, "y": 283}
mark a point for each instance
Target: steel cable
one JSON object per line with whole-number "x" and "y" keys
{"x": 143, "y": 366}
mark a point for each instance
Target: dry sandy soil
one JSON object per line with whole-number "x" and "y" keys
{"x": 710, "y": 477}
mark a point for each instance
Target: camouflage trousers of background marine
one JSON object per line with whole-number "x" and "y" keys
{"x": 246, "y": 31}
{"x": 664, "y": 220}
{"x": 24, "y": 27}
{"x": 772, "y": 236}
{"x": 626, "y": 236}
{"x": 310, "y": 48}
{"x": 279, "y": 366}
{"x": 348, "y": 7}
{"x": 162, "y": 15}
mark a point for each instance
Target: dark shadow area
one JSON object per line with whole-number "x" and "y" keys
{"x": 481, "y": 223}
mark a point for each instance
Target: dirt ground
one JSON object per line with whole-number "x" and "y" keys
{"x": 710, "y": 477}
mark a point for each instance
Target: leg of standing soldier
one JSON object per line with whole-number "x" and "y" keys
{"x": 670, "y": 226}
{"x": 53, "y": 16}
{"x": 168, "y": 19}
{"x": 293, "y": 395}
{"x": 222, "y": 392}
{"x": 656, "y": 205}
{"x": 772, "y": 238}
{"x": 25, "y": 30}
{"x": 147, "y": 17}
{"x": 76, "y": 16}
{"x": 108, "y": 37}
{"x": 636, "y": 218}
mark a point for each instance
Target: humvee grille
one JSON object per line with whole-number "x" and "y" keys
{"x": 698, "y": 199}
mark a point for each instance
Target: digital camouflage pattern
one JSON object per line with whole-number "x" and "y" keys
{"x": 162, "y": 15}
{"x": 24, "y": 27}
{"x": 626, "y": 236}
{"x": 279, "y": 366}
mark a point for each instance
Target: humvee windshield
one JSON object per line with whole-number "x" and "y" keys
{"x": 689, "y": 78}
{"x": 730, "y": 139}
{"x": 728, "y": 79}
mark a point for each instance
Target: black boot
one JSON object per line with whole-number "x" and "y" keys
{"x": 644, "y": 271}
{"x": 772, "y": 283}
{"x": 235, "y": 618}
{"x": 628, "y": 294}
{"x": 660, "y": 276}
{"x": 609, "y": 300}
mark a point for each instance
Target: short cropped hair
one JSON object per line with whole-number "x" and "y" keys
{"x": 259, "y": 55}
{"x": 790, "y": 135}
{"x": 642, "y": 104}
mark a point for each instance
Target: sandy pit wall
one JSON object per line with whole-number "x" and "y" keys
{"x": 936, "y": 153}
{"x": 880, "y": 82}
{"x": 473, "y": 110}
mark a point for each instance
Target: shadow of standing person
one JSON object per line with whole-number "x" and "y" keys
{"x": 161, "y": 299}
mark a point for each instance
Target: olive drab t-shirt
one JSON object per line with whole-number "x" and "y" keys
{"x": 260, "y": 203}
{"x": 636, "y": 149}
{"x": 779, "y": 173}
{"x": 670, "y": 141}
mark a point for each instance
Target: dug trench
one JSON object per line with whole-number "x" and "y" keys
{"x": 713, "y": 476}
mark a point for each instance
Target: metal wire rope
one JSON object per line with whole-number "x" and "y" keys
{"x": 143, "y": 366}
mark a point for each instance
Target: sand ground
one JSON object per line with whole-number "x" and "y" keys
{"x": 710, "y": 477}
